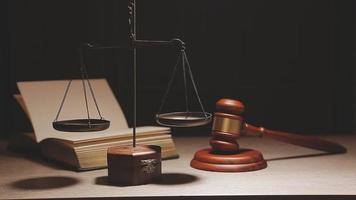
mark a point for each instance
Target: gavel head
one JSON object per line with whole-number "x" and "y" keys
{"x": 227, "y": 126}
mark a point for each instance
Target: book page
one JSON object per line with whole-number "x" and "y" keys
{"x": 104, "y": 135}
{"x": 43, "y": 98}
{"x": 89, "y": 137}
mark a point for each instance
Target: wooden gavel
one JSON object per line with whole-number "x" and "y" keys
{"x": 226, "y": 155}
{"x": 228, "y": 125}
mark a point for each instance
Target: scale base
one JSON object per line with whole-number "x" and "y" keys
{"x": 138, "y": 165}
{"x": 242, "y": 161}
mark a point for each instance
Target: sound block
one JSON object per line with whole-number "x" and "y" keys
{"x": 138, "y": 165}
{"x": 242, "y": 161}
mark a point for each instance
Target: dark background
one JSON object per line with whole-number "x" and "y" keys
{"x": 290, "y": 62}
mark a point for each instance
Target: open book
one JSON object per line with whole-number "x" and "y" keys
{"x": 82, "y": 150}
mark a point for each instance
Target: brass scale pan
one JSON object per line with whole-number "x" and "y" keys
{"x": 81, "y": 125}
{"x": 183, "y": 119}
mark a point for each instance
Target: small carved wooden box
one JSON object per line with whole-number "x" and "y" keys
{"x": 138, "y": 165}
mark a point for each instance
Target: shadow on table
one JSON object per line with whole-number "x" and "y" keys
{"x": 301, "y": 156}
{"x": 48, "y": 182}
{"x": 166, "y": 179}
{"x": 176, "y": 179}
{"x": 36, "y": 158}
{"x": 30, "y": 152}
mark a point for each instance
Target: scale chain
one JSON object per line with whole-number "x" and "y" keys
{"x": 85, "y": 76}
{"x": 169, "y": 85}
{"x": 184, "y": 59}
{"x": 194, "y": 85}
{"x": 63, "y": 100}
{"x": 84, "y": 88}
{"x": 185, "y": 83}
{"x": 89, "y": 84}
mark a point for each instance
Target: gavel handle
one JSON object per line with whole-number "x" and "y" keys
{"x": 300, "y": 140}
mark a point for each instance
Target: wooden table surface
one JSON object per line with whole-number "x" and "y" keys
{"x": 296, "y": 171}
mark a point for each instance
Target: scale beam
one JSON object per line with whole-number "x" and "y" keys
{"x": 156, "y": 43}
